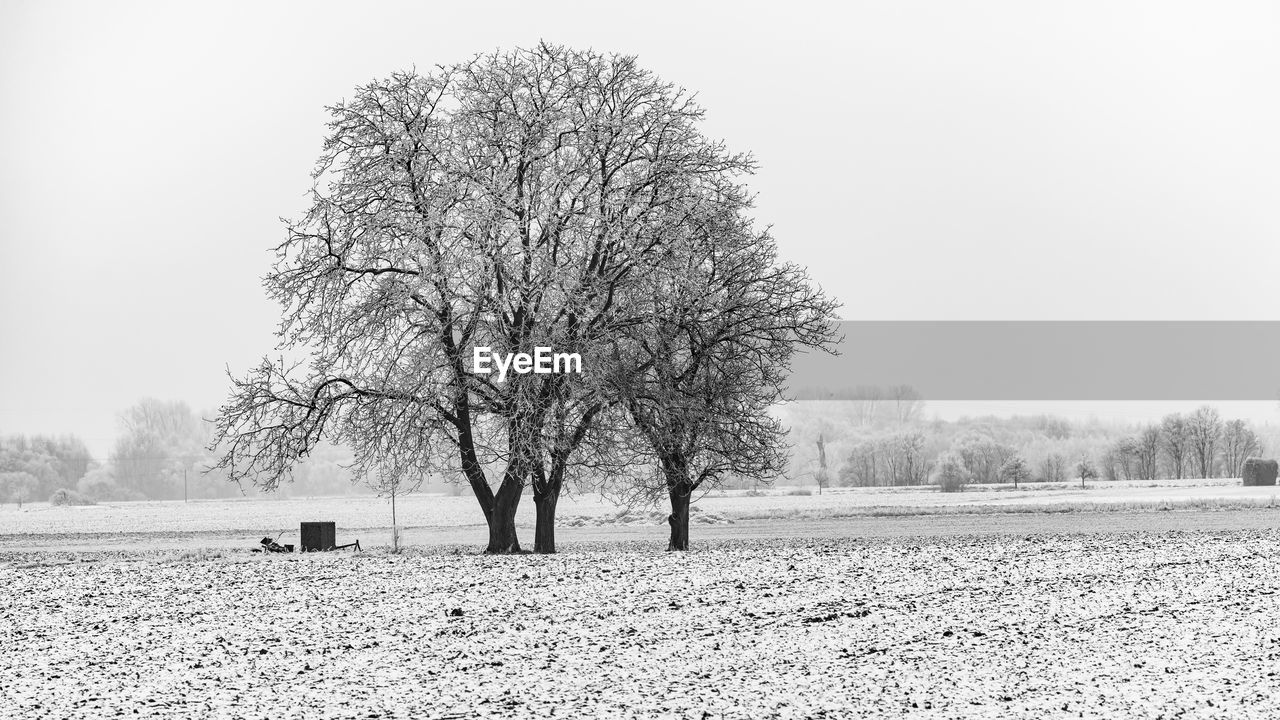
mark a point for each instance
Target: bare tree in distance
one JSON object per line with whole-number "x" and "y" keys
{"x": 863, "y": 466}
{"x": 983, "y": 456}
{"x": 1015, "y": 470}
{"x": 908, "y": 403}
{"x": 903, "y": 457}
{"x": 1148, "y": 452}
{"x": 1239, "y": 442}
{"x": 867, "y": 402}
{"x": 391, "y": 486}
{"x": 1121, "y": 459}
{"x": 1204, "y": 431}
{"x": 1053, "y": 468}
{"x": 894, "y": 459}
{"x": 1086, "y": 470}
{"x": 159, "y": 444}
{"x": 1176, "y": 442}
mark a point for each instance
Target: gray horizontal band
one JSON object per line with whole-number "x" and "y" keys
{"x": 1049, "y": 360}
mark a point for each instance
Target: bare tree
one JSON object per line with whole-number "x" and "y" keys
{"x": 908, "y": 403}
{"x": 983, "y": 456}
{"x": 393, "y": 486}
{"x": 1122, "y": 459}
{"x": 893, "y": 459}
{"x": 1053, "y": 468}
{"x": 1015, "y": 470}
{"x": 867, "y": 403}
{"x": 1148, "y": 446}
{"x": 159, "y": 443}
{"x": 504, "y": 202}
{"x": 725, "y": 319}
{"x": 1176, "y": 439}
{"x": 1204, "y": 432}
{"x": 905, "y": 462}
{"x": 1239, "y": 442}
{"x": 1086, "y": 470}
{"x": 862, "y": 469}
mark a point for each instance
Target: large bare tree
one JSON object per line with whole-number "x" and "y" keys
{"x": 725, "y": 318}
{"x": 508, "y": 202}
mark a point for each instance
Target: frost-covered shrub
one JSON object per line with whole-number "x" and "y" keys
{"x": 65, "y": 496}
{"x": 99, "y": 485}
{"x": 951, "y": 473}
{"x": 800, "y": 491}
{"x": 1257, "y": 471}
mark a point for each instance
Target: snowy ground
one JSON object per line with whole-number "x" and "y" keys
{"x": 790, "y": 605}
{"x": 1133, "y": 624}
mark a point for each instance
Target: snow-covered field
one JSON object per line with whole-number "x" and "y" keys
{"x": 988, "y": 603}
{"x": 1141, "y": 624}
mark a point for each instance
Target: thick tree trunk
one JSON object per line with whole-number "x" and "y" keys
{"x": 502, "y": 521}
{"x": 546, "y": 493}
{"x": 679, "y": 517}
{"x": 544, "y": 533}
{"x": 499, "y": 509}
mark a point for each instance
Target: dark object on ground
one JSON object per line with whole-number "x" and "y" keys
{"x": 456, "y": 612}
{"x": 269, "y": 545}
{"x": 322, "y": 536}
{"x": 1259, "y": 472}
{"x": 318, "y": 536}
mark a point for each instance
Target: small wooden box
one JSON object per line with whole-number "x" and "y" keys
{"x": 318, "y": 536}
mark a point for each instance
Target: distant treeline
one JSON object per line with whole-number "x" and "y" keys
{"x": 877, "y": 439}
{"x": 160, "y": 454}
{"x": 34, "y": 467}
{"x": 878, "y": 444}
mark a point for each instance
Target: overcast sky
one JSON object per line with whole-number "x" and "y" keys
{"x": 944, "y": 160}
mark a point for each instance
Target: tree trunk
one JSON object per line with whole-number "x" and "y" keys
{"x": 500, "y": 509}
{"x": 679, "y": 517}
{"x": 546, "y": 493}
{"x": 502, "y": 521}
{"x": 395, "y": 529}
{"x": 544, "y": 534}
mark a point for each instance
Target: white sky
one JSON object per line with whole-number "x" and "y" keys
{"x": 978, "y": 160}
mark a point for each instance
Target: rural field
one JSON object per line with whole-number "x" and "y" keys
{"x": 1160, "y": 604}
{"x": 437, "y": 519}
